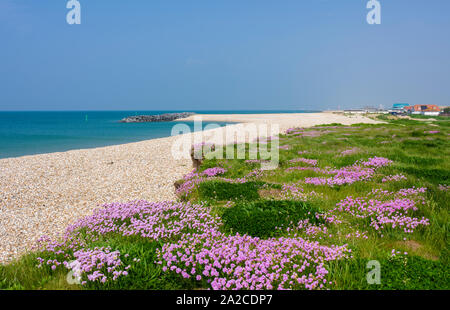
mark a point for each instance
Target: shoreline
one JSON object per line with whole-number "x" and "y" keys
{"x": 42, "y": 194}
{"x": 291, "y": 118}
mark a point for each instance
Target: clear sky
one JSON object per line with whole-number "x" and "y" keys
{"x": 222, "y": 54}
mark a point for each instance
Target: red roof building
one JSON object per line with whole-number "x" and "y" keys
{"x": 426, "y": 108}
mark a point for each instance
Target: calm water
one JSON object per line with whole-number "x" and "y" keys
{"x": 27, "y": 133}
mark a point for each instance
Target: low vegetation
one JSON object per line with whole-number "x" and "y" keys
{"x": 341, "y": 198}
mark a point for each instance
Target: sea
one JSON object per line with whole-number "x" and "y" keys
{"x": 37, "y": 132}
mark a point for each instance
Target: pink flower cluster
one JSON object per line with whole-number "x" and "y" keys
{"x": 409, "y": 191}
{"x": 345, "y": 175}
{"x": 153, "y": 220}
{"x": 349, "y": 151}
{"x": 156, "y": 221}
{"x": 256, "y": 173}
{"x": 314, "y": 133}
{"x": 382, "y": 214}
{"x": 378, "y": 193}
{"x": 193, "y": 178}
{"x": 360, "y": 171}
{"x": 244, "y": 262}
{"x": 394, "y": 178}
{"x": 444, "y": 187}
{"x": 312, "y": 162}
{"x": 92, "y": 262}
{"x": 96, "y": 264}
{"x": 210, "y": 172}
{"x": 294, "y": 131}
{"x": 357, "y": 235}
{"x": 295, "y": 192}
{"x": 194, "y": 247}
{"x": 316, "y": 169}
{"x": 376, "y": 162}
{"x": 312, "y": 230}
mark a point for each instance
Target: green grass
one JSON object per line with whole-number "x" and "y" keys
{"x": 220, "y": 190}
{"x": 439, "y": 117}
{"x": 396, "y": 273}
{"x": 22, "y": 274}
{"x": 262, "y": 218}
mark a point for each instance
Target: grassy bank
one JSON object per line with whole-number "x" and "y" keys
{"x": 341, "y": 196}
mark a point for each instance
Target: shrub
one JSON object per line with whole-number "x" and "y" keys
{"x": 261, "y": 218}
{"x": 221, "y": 190}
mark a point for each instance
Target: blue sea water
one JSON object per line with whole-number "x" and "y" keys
{"x": 28, "y": 133}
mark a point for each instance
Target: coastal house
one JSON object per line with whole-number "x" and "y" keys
{"x": 408, "y": 109}
{"x": 399, "y": 108}
{"x": 426, "y": 109}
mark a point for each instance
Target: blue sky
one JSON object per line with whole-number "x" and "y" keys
{"x": 222, "y": 54}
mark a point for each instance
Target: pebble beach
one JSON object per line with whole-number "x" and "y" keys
{"x": 43, "y": 194}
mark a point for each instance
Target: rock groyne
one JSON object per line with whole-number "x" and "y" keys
{"x": 166, "y": 117}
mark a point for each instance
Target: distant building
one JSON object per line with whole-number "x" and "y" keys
{"x": 355, "y": 111}
{"x": 399, "y": 106}
{"x": 445, "y": 110}
{"x": 365, "y": 110}
{"x": 371, "y": 109}
{"x": 426, "y": 109}
{"x": 408, "y": 108}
